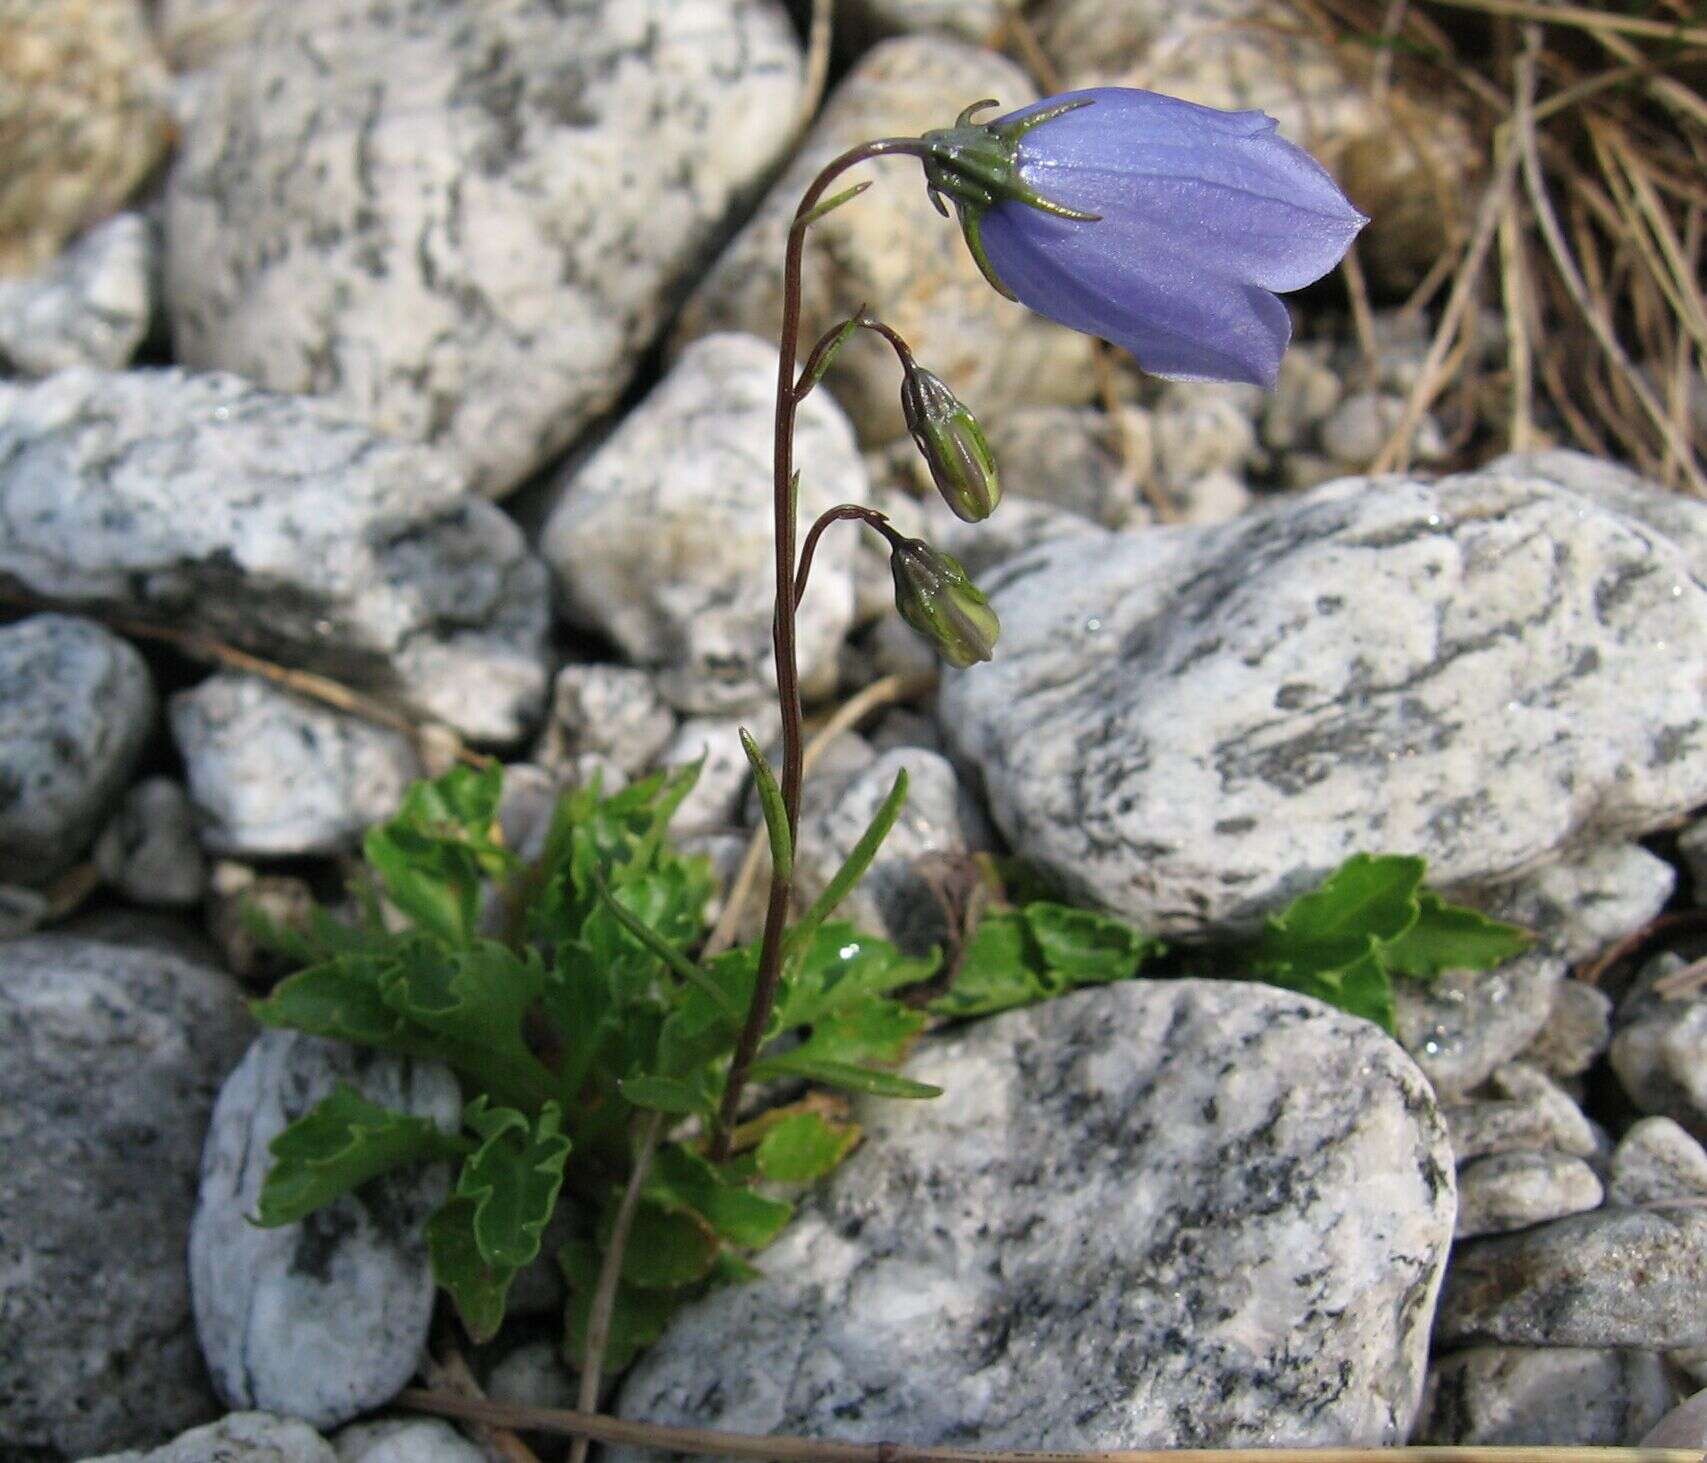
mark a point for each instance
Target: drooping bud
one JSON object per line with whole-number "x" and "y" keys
{"x": 936, "y": 598}
{"x": 953, "y": 445}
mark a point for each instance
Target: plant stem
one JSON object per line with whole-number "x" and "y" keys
{"x": 783, "y": 630}
{"x": 870, "y": 516}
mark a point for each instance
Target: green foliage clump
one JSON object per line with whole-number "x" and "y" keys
{"x": 571, "y": 995}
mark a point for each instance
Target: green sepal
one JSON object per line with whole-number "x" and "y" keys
{"x": 339, "y": 1144}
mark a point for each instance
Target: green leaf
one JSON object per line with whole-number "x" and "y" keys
{"x": 874, "y": 1030}
{"x": 512, "y": 1180}
{"x": 1081, "y": 947}
{"x": 667, "y": 1247}
{"x": 700, "y": 1029}
{"x": 476, "y": 1287}
{"x": 666, "y": 1095}
{"x": 804, "y": 1147}
{"x": 1001, "y": 969}
{"x": 853, "y": 868}
{"x": 1450, "y": 937}
{"x": 637, "y": 1319}
{"x": 776, "y": 814}
{"x": 645, "y": 933}
{"x": 684, "y": 1179}
{"x": 1369, "y": 900}
{"x": 839, "y": 967}
{"x": 842, "y": 1075}
{"x": 338, "y": 1145}
{"x": 340, "y": 999}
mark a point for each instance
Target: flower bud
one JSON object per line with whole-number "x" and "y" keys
{"x": 936, "y": 598}
{"x": 953, "y": 445}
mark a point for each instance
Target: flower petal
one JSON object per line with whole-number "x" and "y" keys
{"x": 1144, "y": 294}
{"x": 1223, "y": 184}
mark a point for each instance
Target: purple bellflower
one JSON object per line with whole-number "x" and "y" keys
{"x": 1157, "y": 224}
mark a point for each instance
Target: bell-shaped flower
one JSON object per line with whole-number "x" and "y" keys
{"x": 952, "y": 443}
{"x": 940, "y": 603}
{"x": 1157, "y": 224}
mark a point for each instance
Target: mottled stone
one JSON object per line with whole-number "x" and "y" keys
{"x": 405, "y": 1440}
{"x": 526, "y": 807}
{"x": 1156, "y": 1214}
{"x": 662, "y": 539}
{"x": 895, "y": 897}
{"x": 83, "y": 119}
{"x": 238, "y": 897}
{"x": 1692, "y": 845}
{"x": 1191, "y": 726}
{"x": 21, "y": 910}
{"x": 192, "y": 32}
{"x": 1306, "y": 389}
{"x": 272, "y": 523}
{"x": 1508, "y": 1191}
{"x": 239, "y": 1437}
{"x": 979, "y": 21}
{"x": 148, "y": 851}
{"x": 889, "y": 248}
{"x": 1560, "y": 1396}
{"x": 275, "y": 774}
{"x": 110, "y": 1056}
{"x": 612, "y": 710}
{"x": 1616, "y": 1277}
{"x": 1465, "y": 1023}
{"x": 466, "y": 234}
{"x": 1526, "y": 1110}
{"x": 89, "y": 307}
{"x": 1075, "y": 457}
{"x": 714, "y": 804}
{"x": 1359, "y": 428}
{"x": 1203, "y": 428}
{"x": 76, "y": 708}
{"x": 533, "y": 1375}
{"x": 323, "y": 1319}
{"x": 1657, "y": 1162}
{"x": 1582, "y": 904}
{"x": 1659, "y": 1046}
{"x": 1683, "y": 1427}
{"x": 1577, "y": 1030}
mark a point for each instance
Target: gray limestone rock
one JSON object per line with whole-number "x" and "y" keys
{"x": 1562, "y": 1396}
{"x": 148, "y": 851}
{"x": 239, "y": 1437}
{"x": 274, "y": 774}
{"x": 612, "y": 710}
{"x": 237, "y": 894}
{"x": 21, "y": 910}
{"x": 76, "y": 706}
{"x": 90, "y": 307}
{"x": 1075, "y": 457}
{"x": 275, "y": 524}
{"x": 1616, "y": 1277}
{"x": 405, "y": 1440}
{"x": 1659, "y": 1047}
{"x": 1190, "y": 726}
{"x": 466, "y": 234}
{"x": 110, "y": 1056}
{"x": 1507, "y": 1191}
{"x": 714, "y": 804}
{"x": 1360, "y": 426}
{"x": 323, "y": 1319}
{"x": 888, "y": 248}
{"x": 1656, "y": 1162}
{"x": 662, "y": 538}
{"x": 1525, "y": 1111}
{"x": 1692, "y": 844}
{"x": 1156, "y": 1214}
{"x": 1464, "y": 1024}
{"x": 1586, "y": 901}
{"x": 1577, "y": 1031}
{"x": 1203, "y": 429}
{"x": 533, "y": 1375}
{"x": 894, "y": 899}
{"x": 978, "y": 21}
{"x": 1683, "y": 1427}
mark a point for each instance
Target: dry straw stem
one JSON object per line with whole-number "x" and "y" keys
{"x": 1594, "y": 126}
{"x": 707, "y": 1442}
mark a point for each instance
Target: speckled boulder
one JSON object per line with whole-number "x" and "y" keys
{"x": 1157, "y": 1214}
{"x": 1190, "y": 726}
{"x": 274, "y": 523}
{"x": 89, "y": 307}
{"x": 463, "y": 222}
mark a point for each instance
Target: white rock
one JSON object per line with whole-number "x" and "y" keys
{"x": 662, "y": 539}
{"x": 1464, "y": 1024}
{"x": 1508, "y": 1191}
{"x": 323, "y": 1319}
{"x": 1204, "y": 427}
{"x": 1525, "y": 1111}
{"x": 405, "y": 1440}
{"x": 1659, "y": 1048}
{"x": 90, "y": 307}
{"x": 533, "y": 1375}
{"x": 1153, "y": 1214}
{"x": 1656, "y": 1162}
{"x": 1682, "y": 1427}
{"x": 467, "y": 233}
{"x": 1582, "y": 904}
{"x": 148, "y": 851}
{"x": 1577, "y": 1030}
{"x": 238, "y": 1437}
{"x": 76, "y": 706}
{"x": 110, "y": 1056}
{"x": 273, "y": 523}
{"x": 276, "y": 774}
{"x": 714, "y": 804}
{"x": 1560, "y": 1396}
{"x": 979, "y": 21}
{"x": 1360, "y": 426}
{"x": 612, "y": 710}
{"x": 1190, "y": 726}
{"x": 1075, "y": 457}
{"x": 888, "y": 249}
